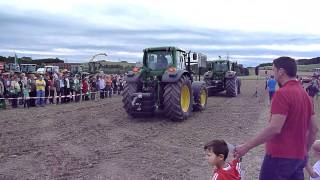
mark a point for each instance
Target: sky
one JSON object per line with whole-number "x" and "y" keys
{"x": 248, "y": 31}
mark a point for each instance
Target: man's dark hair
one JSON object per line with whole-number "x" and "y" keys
{"x": 217, "y": 147}
{"x": 288, "y": 64}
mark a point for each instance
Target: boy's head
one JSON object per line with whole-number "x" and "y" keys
{"x": 216, "y": 152}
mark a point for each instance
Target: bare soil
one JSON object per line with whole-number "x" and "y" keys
{"x": 97, "y": 140}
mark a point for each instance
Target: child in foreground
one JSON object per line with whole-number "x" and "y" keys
{"x": 216, "y": 154}
{"x": 314, "y": 172}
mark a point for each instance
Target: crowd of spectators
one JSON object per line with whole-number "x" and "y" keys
{"x": 32, "y": 90}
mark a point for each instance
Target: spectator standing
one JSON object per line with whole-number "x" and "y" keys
{"x": 291, "y": 129}
{"x": 33, "y": 90}
{"x": 271, "y": 86}
{"x": 51, "y": 89}
{"x": 93, "y": 85}
{"x": 77, "y": 88}
{"x": 59, "y": 84}
{"x": 85, "y": 89}
{"x": 67, "y": 88}
{"x": 102, "y": 85}
{"x": 40, "y": 86}
{"x": 108, "y": 88}
{"x": 26, "y": 97}
{"x": 313, "y": 88}
{"x": 114, "y": 84}
{"x": 71, "y": 82}
{"x": 14, "y": 91}
{"x": 2, "y": 91}
{"x": 47, "y": 91}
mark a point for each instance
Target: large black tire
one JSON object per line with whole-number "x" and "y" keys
{"x": 172, "y": 99}
{"x": 147, "y": 105}
{"x": 231, "y": 87}
{"x": 200, "y": 96}
{"x": 129, "y": 89}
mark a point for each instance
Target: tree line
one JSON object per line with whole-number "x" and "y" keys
{"x": 315, "y": 60}
{"x": 29, "y": 60}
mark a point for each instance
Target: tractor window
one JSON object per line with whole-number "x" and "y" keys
{"x": 159, "y": 59}
{"x": 220, "y": 66}
{"x": 31, "y": 68}
{"x": 180, "y": 60}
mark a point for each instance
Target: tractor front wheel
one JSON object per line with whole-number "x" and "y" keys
{"x": 231, "y": 87}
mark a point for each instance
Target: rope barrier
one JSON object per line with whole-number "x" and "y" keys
{"x": 53, "y": 97}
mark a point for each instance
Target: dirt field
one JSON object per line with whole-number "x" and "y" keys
{"x": 97, "y": 140}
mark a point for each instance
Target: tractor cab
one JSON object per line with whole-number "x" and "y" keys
{"x": 157, "y": 60}
{"x": 221, "y": 66}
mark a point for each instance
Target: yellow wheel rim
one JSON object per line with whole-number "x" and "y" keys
{"x": 203, "y": 97}
{"x": 185, "y": 98}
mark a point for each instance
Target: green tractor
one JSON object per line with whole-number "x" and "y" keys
{"x": 222, "y": 75}
{"x": 164, "y": 81}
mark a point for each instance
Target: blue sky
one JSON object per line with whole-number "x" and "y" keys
{"x": 250, "y": 31}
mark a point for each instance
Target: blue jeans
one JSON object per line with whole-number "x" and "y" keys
{"x": 271, "y": 93}
{"x": 40, "y": 98}
{"x": 282, "y": 169}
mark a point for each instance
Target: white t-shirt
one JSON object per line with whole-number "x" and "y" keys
{"x": 316, "y": 168}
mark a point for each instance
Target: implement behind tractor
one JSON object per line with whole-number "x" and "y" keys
{"x": 222, "y": 75}
{"x": 164, "y": 82}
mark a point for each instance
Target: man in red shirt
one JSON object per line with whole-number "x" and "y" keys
{"x": 291, "y": 130}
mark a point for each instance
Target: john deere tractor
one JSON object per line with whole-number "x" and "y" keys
{"x": 164, "y": 81}
{"x": 222, "y": 75}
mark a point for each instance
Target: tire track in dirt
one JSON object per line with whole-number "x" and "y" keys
{"x": 97, "y": 140}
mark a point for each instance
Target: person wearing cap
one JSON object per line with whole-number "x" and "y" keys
{"x": 291, "y": 128}
{"x": 314, "y": 171}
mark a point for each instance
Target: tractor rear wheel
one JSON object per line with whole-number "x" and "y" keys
{"x": 178, "y": 99}
{"x": 129, "y": 89}
{"x": 232, "y": 87}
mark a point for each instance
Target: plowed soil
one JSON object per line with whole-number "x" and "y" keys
{"x": 97, "y": 140}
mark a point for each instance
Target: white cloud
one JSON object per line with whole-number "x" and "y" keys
{"x": 292, "y": 16}
{"x": 273, "y": 17}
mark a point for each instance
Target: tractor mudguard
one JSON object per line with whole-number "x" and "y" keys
{"x": 132, "y": 77}
{"x": 170, "y": 77}
{"x": 230, "y": 74}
